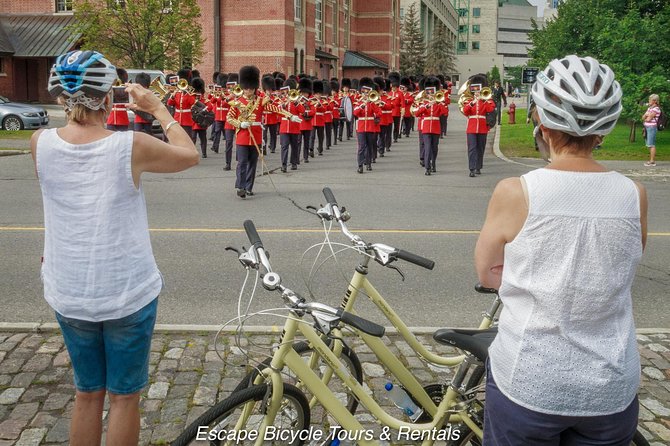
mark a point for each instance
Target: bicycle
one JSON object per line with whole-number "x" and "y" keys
{"x": 427, "y": 397}
{"x": 258, "y": 405}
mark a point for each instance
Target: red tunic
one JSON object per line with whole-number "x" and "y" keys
{"x": 288, "y": 126}
{"x": 319, "y": 116}
{"x": 387, "y": 110}
{"x": 243, "y": 136}
{"x": 118, "y": 115}
{"x": 430, "y": 117}
{"x": 336, "y": 103}
{"x": 182, "y": 103}
{"x": 366, "y": 112}
{"x": 308, "y": 117}
{"x": 269, "y": 117}
{"x": 476, "y": 114}
{"x": 396, "y": 98}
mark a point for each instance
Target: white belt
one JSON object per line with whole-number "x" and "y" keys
{"x": 220, "y": 108}
{"x": 366, "y": 119}
{"x": 119, "y": 108}
{"x": 183, "y": 110}
{"x": 436, "y": 118}
{"x": 387, "y": 111}
{"x": 319, "y": 114}
{"x": 477, "y": 116}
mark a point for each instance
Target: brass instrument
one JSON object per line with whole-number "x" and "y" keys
{"x": 183, "y": 85}
{"x": 439, "y": 97}
{"x": 117, "y": 83}
{"x": 158, "y": 88}
{"x": 293, "y": 95}
{"x": 485, "y": 94}
{"x": 238, "y": 91}
{"x": 373, "y": 97}
{"x": 464, "y": 95}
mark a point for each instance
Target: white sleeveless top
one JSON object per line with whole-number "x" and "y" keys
{"x": 98, "y": 263}
{"x": 566, "y": 343}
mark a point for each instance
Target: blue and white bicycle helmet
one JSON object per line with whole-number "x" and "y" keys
{"x": 578, "y": 96}
{"x": 81, "y": 73}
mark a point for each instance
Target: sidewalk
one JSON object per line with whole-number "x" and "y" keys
{"x": 187, "y": 376}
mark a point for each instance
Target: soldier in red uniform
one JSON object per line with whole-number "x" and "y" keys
{"x": 220, "y": 112}
{"x": 270, "y": 119}
{"x": 335, "y": 105}
{"x": 143, "y": 120}
{"x": 289, "y": 130}
{"x": 386, "y": 123}
{"x": 198, "y": 131}
{"x": 407, "y": 101}
{"x": 477, "y": 129}
{"x": 306, "y": 126}
{"x": 396, "y": 98}
{"x": 118, "y": 116}
{"x": 367, "y": 126}
{"x": 182, "y": 101}
{"x": 430, "y": 112}
{"x": 318, "y": 122}
{"x": 328, "y": 113}
{"x": 346, "y": 86}
{"x": 229, "y": 130}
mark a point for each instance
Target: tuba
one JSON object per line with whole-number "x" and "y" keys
{"x": 158, "y": 88}
{"x": 465, "y": 95}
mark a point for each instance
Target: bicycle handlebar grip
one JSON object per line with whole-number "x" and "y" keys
{"x": 482, "y": 289}
{"x": 252, "y": 234}
{"x": 363, "y": 325}
{"x": 415, "y": 259}
{"x": 330, "y": 198}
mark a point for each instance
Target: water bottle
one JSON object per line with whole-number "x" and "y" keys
{"x": 403, "y": 401}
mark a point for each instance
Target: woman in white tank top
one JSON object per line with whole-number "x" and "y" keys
{"x": 562, "y": 245}
{"x": 98, "y": 269}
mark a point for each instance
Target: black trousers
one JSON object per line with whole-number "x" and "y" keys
{"x": 247, "y": 159}
{"x": 143, "y": 127}
{"x": 476, "y": 147}
{"x": 203, "y": 140}
{"x": 367, "y": 143}
{"x": 328, "y": 131}
{"x": 421, "y": 158}
{"x": 290, "y": 141}
{"x": 443, "y": 125}
{"x": 498, "y": 112}
{"x": 317, "y": 131}
{"x": 430, "y": 145}
{"x": 384, "y": 138}
{"x": 406, "y": 125}
{"x": 270, "y": 141}
{"x": 348, "y": 124}
{"x": 230, "y": 138}
{"x": 217, "y": 130}
{"x": 306, "y": 140}
{"x": 396, "y": 128}
{"x": 336, "y": 126}
{"x": 117, "y": 128}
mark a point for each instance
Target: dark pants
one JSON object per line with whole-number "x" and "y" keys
{"x": 336, "y": 127}
{"x": 317, "y": 133}
{"x": 421, "y": 147}
{"x": 272, "y": 129}
{"x": 476, "y": 147}
{"x": 230, "y": 138}
{"x": 396, "y": 128}
{"x": 443, "y": 125}
{"x": 217, "y": 130}
{"x": 430, "y": 144}
{"x": 306, "y": 140}
{"x": 406, "y": 125}
{"x": 117, "y": 128}
{"x": 329, "y": 131}
{"x": 509, "y": 424}
{"x": 292, "y": 141}
{"x": 247, "y": 159}
{"x": 203, "y": 140}
{"x": 384, "y": 138}
{"x": 350, "y": 132}
{"x": 498, "y": 112}
{"x": 143, "y": 127}
{"x": 366, "y": 147}
{"x": 189, "y": 130}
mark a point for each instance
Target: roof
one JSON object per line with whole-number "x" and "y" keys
{"x": 6, "y": 48}
{"x": 516, "y": 3}
{"x": 357, "y": 59}
{"x": 323, "y": 55}
{"x": 35, "y": 35}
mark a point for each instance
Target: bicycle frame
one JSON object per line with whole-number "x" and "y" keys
{"x": 286, "y": 357}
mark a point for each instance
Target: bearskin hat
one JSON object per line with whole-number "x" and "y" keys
{"x": 422, "y": 82}
{"x": 366, "y": 82}
{"x": 250, "y": 77}
{"x": 440, "y": 77}
{"x": 305, "y": 85}
{"x": 346, "y": 82}
{"x": 327, "y": 91}
{"x": 234, "y": 77}
{"x": 122, "y": 74}
{"x": 431, "y": 81}
{"x": 278, "y": 83}
{"x": 317, "y": 86}
{"x": 195, "y": 73}
{"x": 198, "y": 85}
{"x": 143, "y": 79}
{"x": 221, "y": 79}
{"x": 184, "y": 73}
{"x": 479, "y": 78}
{"x": 290, "y": 82}
{"x": 406, "y": 82}
{"x": 268, "y": 83}
{"x": 380, "y": 83}
{"x": 356, "y": 84}
{"x": 334, "y": 85}
{"x": 394, "y": 78}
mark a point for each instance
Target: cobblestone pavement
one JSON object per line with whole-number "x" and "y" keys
{"x": 187, "y": 376}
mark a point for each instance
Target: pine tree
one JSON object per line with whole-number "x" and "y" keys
{"x": 440, "y": 58}
{"x": 412, "y": 47}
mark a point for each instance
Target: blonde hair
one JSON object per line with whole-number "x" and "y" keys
{"x": 562, "y": 142}
{"x": 81, "y": 114}
{"x": 654, "y": 97}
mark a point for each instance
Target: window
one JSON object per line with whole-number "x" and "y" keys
{"x": 402, "y": 13}
{"x": 462, "y": 28}
{"x": 476, "y": 12}
{"x": 318, "y": 21}
{"x": 462, "y": 46}
{"x": 462, "y": 12}
{"x": 475, "y": 45}
{"x": 335, "y": 24}
{"x": 2, "y": 65}
{"x": 302, "y": 61}
{"x": 63, "y": 5}
{"x": 475, "y": 29}
{"x": 295, "y": 60}
{"x": 297, "y": 10}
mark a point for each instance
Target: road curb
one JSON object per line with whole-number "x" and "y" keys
{"x": 195, "y": 328}
{"x": 498, "y": 153}
{"x": 13, "y": 152}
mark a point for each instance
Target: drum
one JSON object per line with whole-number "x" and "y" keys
{"x": 348, "y": 107}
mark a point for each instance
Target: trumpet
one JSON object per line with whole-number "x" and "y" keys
{"x": 373, "y": 97}
{"x": 485, "y": 94}
{"x": 293, "y": 95}
{"x": 439, "y": 97}
{"x": 183, "y": 85}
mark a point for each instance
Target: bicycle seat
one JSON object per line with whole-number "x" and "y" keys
{"x": 476, "y": 342}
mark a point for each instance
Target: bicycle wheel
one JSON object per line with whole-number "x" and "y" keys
{"x": 214, "y": 426}
{"x": 348, "y": 358}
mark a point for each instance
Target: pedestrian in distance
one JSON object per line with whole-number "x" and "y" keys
{"x": 499, "y": 98}
{"x": 650, "y": 120}
{"x": 98, "y": 269}
{"x": 561, "y": 244}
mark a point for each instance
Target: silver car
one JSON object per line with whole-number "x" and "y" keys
{"x": 18, "y": 116}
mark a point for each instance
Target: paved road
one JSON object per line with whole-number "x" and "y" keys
{"x": 195, "y": 215}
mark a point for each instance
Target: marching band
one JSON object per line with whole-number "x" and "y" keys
{"x": 252, "y": 112}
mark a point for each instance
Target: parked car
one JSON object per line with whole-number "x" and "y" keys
{"x": 18, "y": 116}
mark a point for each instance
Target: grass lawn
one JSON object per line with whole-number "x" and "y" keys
{"x": 517, "y": 141}
{"x": 19, "y": 134}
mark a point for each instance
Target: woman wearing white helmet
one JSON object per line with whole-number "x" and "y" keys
{"x": 98, "y": 269}
{"x": 562, "y": 244}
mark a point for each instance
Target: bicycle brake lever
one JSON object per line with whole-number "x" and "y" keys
{"x": 402, "y": 275}
{"x": 231, "y": 248}
{"x": 312, "y": 208}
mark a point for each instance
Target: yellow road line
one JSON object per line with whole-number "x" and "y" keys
{"x": 307, "y": 231}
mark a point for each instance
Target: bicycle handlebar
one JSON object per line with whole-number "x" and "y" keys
{"x": 330, "y": 198}
{"x": 415, "y": 259}
{"x": 484, "y": 290}
{"x": 252, "y": 234}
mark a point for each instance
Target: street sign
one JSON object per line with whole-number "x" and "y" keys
{"x": 528, "y": 75}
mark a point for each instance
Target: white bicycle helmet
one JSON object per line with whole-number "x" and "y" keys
{"x": 81, "y": 73}
{"x": 578, "y": 96}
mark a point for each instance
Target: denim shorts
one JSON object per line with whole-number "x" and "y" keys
{"x": 651, "y": 135}
{"x": 112, "y": 355}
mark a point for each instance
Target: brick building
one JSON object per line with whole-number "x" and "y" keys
{"x": 324, "y": 38}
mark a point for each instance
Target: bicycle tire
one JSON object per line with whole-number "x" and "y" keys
{"x": 217, "y": 414}
{"x": 348, "y": 357}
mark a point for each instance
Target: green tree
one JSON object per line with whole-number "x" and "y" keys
{"x": 440, "y": 58}
{"x": 412, "y": 47}
{"x": 152, "y": 34}
{"x": 494, "y": 75}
